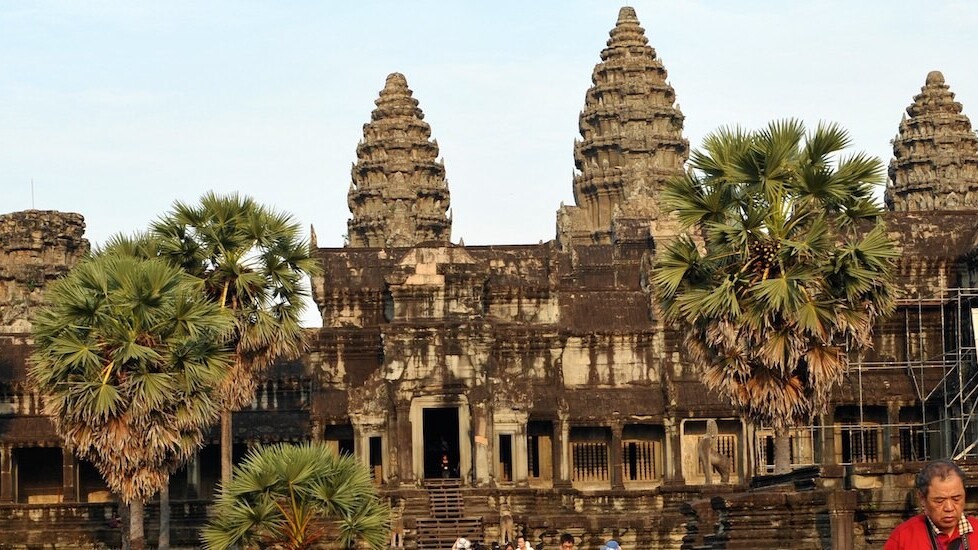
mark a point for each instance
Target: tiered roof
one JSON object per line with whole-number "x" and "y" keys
{"x": 399, "y": 196}
{"x": 935, "y": 164}
{"x": 631, "y": 131}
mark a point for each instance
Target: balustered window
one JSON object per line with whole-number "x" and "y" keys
{"x": 801, "y": 449}
{"x": 859, "y": 444}
{"x": 589, "y": 455}
{"x": 641, "y": 447}
{"x": 913, "y": 443}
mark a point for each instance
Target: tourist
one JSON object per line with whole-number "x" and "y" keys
{"x": 943, "y": 525}
{"x": 610, "y": 545}
{"x": 567, "y": 541}
{"x": 522, "y": 543}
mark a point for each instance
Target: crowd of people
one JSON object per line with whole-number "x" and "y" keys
{"x": 567, "y": 542}
{"x": 941, "y": 525}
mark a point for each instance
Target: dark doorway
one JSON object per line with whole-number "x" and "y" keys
{"x": 39, "y": 474}
{"x": 441, "y": 451}
{"x": 342, "y": 435}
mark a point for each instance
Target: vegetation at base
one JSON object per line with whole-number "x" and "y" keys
{"x": 297, "y": 497}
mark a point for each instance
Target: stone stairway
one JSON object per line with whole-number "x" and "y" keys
{"x": 447, "y": 520}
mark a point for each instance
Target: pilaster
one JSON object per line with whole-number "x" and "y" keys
{"x": 616, "y": 459}
{"x": 561, "y": 450}
{"x": 673, "y": 451}
{"x": 403, "y": 436}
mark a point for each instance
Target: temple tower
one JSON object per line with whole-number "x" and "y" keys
{"x": 36, "y": 248}
{"x": 631, "y": 137}
{"x": 935, "y": 155}
{"x": 399, "y": 195}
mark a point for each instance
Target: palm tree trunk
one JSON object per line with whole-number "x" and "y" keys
{"x": 124, "y": 523}
{"x": 226, "y": 447}
{"x": 163, "y": 543}
{"x": 137, "y": 537}
{"x": 782, "y": 451}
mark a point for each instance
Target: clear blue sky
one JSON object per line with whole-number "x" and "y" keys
{"x": 116, "y": 109}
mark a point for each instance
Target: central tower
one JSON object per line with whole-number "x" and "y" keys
{"x": 631, "y": 138}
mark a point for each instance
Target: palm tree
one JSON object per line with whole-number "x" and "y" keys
{"x": 784, "y": 269}
{"x": 295, "y": 497}
{"x": 253, "y": 263}
{"x": 127, "y": 354}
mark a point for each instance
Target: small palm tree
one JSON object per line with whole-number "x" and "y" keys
{"x": 784, "y": 270}
{"x": 127, "y": 354}
{"x": 253, "y": 263}
{"x": 295, "y": 497}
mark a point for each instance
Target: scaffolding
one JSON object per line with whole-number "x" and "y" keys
{"x": 940, "y": 361}
{"x": 938, "y": 358}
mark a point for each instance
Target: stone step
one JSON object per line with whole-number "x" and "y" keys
{"x": 441, "y": 533}
{"x": 445, "y": 498}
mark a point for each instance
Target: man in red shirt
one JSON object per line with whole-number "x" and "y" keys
{"x": 943, "y": 525}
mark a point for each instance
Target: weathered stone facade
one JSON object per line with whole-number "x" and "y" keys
{"x": 497, "y": 390}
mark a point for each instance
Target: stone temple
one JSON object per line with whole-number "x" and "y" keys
{"x": 530, "y": 389}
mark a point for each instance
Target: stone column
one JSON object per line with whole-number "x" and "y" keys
{"x": 673, "y": 451}
{"x": 561, "y": 451}
{"x": 69, "y": 477}
{"x": 841, "y": 505}
{"x": 6, "y": 473}
{"x": 616, "y": 461}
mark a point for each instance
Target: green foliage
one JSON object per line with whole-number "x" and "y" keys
{"x": 253, "y": 263}
{"x": 784, "y": 267}
{"x": 127, "y": 355}
{"x": 296, "y": 497}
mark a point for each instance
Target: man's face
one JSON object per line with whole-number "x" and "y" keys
{"x": 944, "y": 502}
{"x": 567, "y": 545}
{"x": 520, "y": 542}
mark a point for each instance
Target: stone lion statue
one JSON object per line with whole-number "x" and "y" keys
{"x": 709, "y": 458}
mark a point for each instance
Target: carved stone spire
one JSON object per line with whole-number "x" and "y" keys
{"x": 935, "y": 164}
{"x": 399, "y": 195}
{"x": 631, "y": 132}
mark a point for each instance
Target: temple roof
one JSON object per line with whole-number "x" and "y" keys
{"x": 631, "y": 130}
{"x": 935, "y": 164}
{"x": 398, "y": 195}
